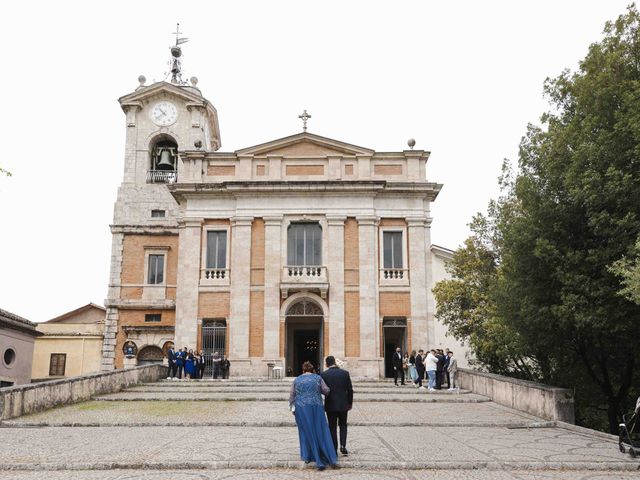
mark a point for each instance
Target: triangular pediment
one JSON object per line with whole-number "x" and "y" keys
{"x": 305, "y": 145}
{"x": 187, "y": 94}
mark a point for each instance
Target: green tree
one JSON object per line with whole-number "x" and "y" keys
{"x": 5, "y": 172}
{"x": 629, "y": 271}
{"x": 566, "y": 220}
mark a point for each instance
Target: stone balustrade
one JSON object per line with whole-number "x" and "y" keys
{"x": 25, "y": 399}
{"x": 162, "y": 176}
{"x": 214, "y": 276}
{"x": 302, "y": 273}
{"x": 551, "y": 403}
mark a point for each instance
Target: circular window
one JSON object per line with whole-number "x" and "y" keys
{"x": 9, "y": 356}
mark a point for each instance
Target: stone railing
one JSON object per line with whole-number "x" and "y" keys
{"x": 34, "y": 397}
{"x": 394, "y": 276}
{"x": 551, "y": 403}
{"x": 304, "y": 273}
{"x": 214, "y": 276}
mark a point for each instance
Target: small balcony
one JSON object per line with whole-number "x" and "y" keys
{"x": 214, "y": 276}
{"x": 394, "y": 276}
{"x": 162, "y": 176}
{"x": 304, "y": 277}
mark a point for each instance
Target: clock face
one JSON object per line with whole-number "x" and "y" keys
{"x": 164, "y": 113}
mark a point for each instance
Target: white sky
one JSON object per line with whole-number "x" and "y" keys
{"x": 463, "y": 78}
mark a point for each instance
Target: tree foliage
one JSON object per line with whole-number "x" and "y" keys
{"x": 549, "y": 305}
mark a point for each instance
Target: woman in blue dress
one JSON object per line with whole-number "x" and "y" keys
{"x": 306, "y": 404}
{"x": 190, "y": 366}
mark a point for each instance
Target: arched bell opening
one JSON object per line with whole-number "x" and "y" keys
{"x": 164, "y": 153}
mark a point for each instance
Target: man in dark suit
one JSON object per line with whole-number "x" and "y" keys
{"x": 339, "y": 401}
{"x": 440, "y": 369}
{"x": 397, "y": 366}
{"x": 171, "y": 359}
{"x": 419, "y": 368}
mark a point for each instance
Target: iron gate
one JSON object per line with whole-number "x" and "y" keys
{"x": 214, "y": 339}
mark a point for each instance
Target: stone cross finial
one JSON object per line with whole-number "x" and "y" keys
{"x": 305, "y": 116}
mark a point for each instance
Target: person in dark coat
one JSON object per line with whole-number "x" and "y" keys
{"x": 440, "y": 369}
{"x": 202, "y": 363}
{"x": 338, "y": 402}
{"x": 419, "y": 368}
{"x": 225, "y": 366}
{"x": 398, "y": 370}
{"x": 180, "y": 358}
{"x": 171, "y": 362}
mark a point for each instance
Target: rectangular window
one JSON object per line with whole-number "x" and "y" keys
{"x": 156, "y": 269}
{"x": 57, "y": 364}
{"x": 157, "y": 213}
{"x": 392, "y": 249}
{"x": 217, "y": 249}
{"x": 304, "y": 244}
{"x": 152, "y": 317}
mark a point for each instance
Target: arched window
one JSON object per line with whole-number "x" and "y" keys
{"x": 304, "y": 244}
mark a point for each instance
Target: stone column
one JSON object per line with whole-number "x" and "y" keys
{"x": 186, "y": 326}
{"x": 272, "y": 274}
{"x": 240, "y": 291}
{"x": 420, "y": 337}
{"x": 431, "y": 302}
{"x": 335, "y": 266}
{"x": 369, "y": 336}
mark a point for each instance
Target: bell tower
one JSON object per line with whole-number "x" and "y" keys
{"x": 161, "y": 120}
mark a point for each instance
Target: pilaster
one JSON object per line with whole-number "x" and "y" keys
{"x": 186, "y": 324}
{"x": 240, "y": 288}
{"x": 420, "y": 334}
{"x": 335, "y": 237}
{"x": 369, "y": 337}
{"x": 272, "y": 274}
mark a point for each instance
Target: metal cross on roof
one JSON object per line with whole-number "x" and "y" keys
{"x": 177, "y": 33}
{"x": 305, "y": 116}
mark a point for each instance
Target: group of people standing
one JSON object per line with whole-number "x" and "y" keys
{"x": 436, "y": 365}
{"x": 192, "y": 364}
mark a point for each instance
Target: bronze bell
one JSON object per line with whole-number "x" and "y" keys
{"x": 165, "y": 159}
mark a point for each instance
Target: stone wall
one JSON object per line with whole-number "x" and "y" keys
{"x": 25, "y": 399}
{"x": 551, "y": 403}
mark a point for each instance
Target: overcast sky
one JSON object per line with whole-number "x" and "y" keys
{"x": 463, "y": 78}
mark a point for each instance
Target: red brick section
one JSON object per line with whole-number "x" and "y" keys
{"x": 135, "y": 318}
{"x": 256, "y": 299}
{"x": 351, "y": 295}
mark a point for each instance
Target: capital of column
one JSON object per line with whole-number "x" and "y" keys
{"x": 336, "y": 220}
{"x": 273, "y": 220}
{"x": 368, "y": 220}
{"x": 241, "y": 221}
{"x": 190, "y": 223}
{"x": 416, "y": 222}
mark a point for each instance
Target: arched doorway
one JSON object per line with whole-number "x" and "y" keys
{"x": 150, "y": 354}
{"x": 303, "y": 335}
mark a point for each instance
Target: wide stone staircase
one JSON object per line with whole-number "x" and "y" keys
{"x": 242, "y": 428}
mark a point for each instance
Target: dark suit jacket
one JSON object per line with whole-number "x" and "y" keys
{"x": 397, "y": 360}
{"x": 340, "y": 397}
{"x": 419, "y": 363}
{"x": 171, "y": 355}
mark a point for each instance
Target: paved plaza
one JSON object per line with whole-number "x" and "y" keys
{"x": 199, "y": 430}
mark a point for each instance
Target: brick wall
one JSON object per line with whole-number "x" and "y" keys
{"x": 304, "y": 170}
{"x": 221, "y": 170}
{"x": 256, "y": 298}
{"x": 213, "y": 305}
{"x": 382, "y": 169}
{"x": 133, "y": 258}
{"x": 352, "y": 295}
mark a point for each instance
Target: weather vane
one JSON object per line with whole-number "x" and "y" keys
{"x": 304, "y": 117}
{"x": 176, "y": 52}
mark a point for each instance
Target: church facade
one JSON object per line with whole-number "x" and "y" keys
{"x": 278, "y": 253}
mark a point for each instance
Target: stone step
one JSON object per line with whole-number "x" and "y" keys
{"x": 208, "y": 383}
{"x": 273, "y": 388}
{"x": 422, "y": 396}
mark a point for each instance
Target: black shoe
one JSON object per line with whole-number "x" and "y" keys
{"x": 343, "y": 450}
{"x": 320, "y": 469}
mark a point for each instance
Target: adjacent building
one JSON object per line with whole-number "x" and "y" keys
{"x": 70, "y": 345}
{"x": 281, "y": 252}
{"x": 17, "y": 336}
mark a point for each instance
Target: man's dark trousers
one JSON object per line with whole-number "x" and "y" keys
{"x": 338, "y": 403}
{"x": 338, "y": 419}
